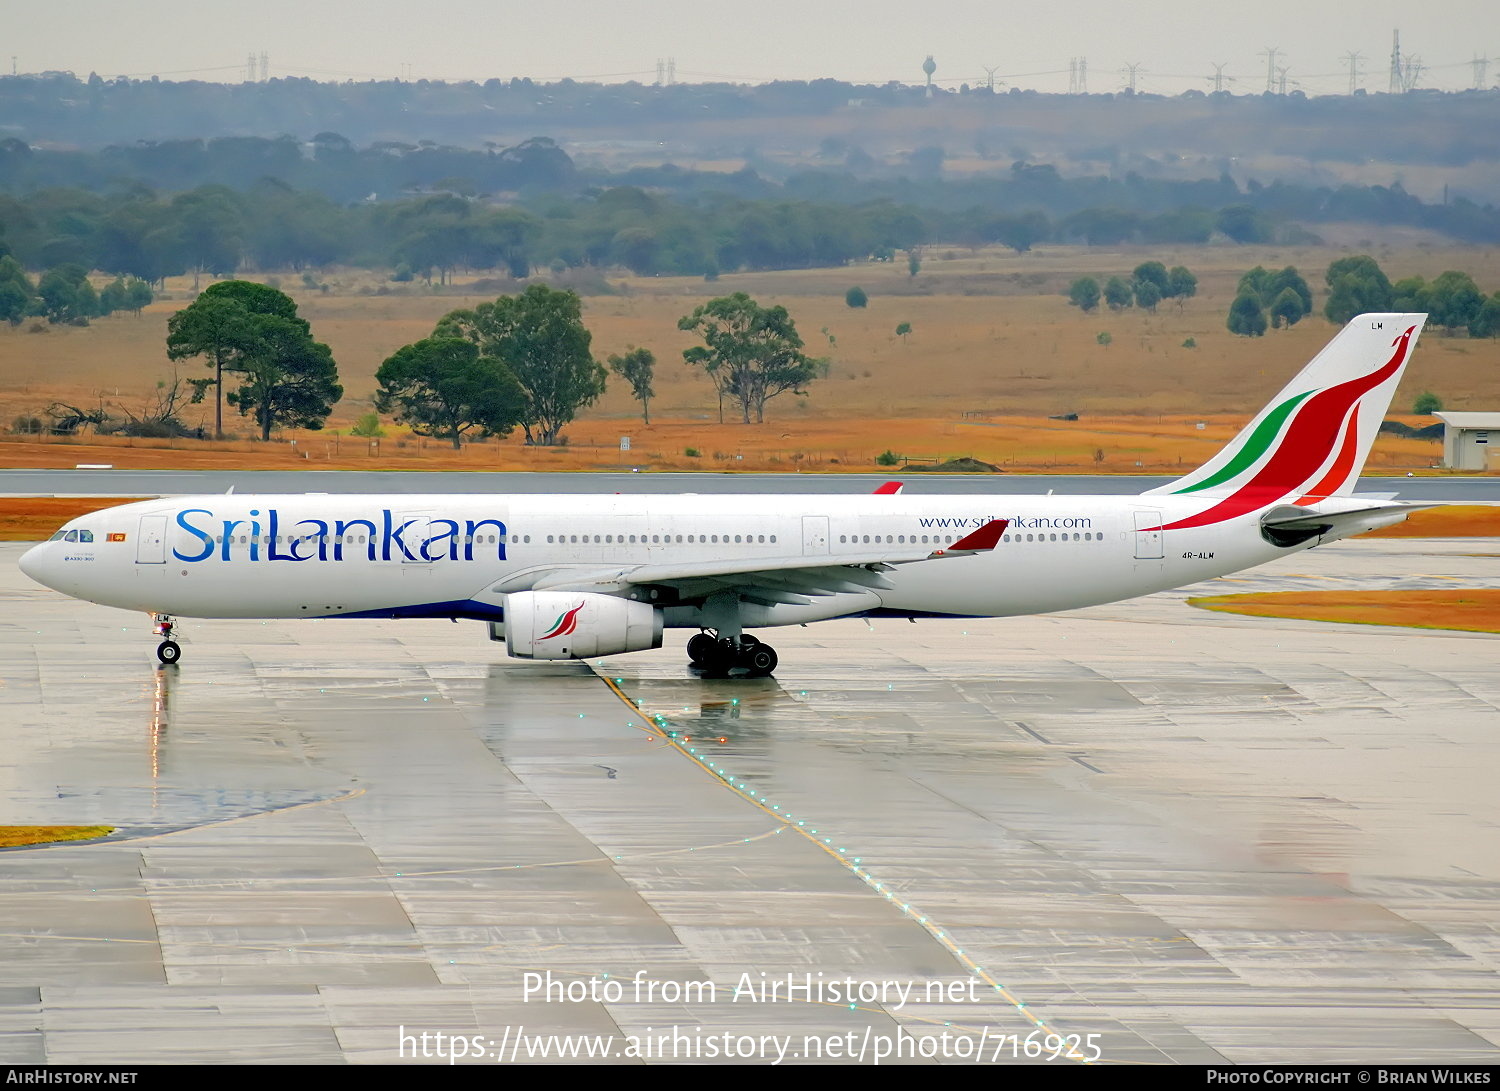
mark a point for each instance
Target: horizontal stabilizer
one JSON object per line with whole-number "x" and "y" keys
{"x": 1288, "y": 525}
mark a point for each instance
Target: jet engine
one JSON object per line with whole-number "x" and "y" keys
{"x": 564, "y": 625}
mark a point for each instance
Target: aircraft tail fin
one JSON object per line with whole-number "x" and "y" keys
{"x": 1310, "y": 442}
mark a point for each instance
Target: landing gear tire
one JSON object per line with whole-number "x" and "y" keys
{"x": 759, "y": 659}
{"x": 169, "y": 652}
{"x": 716, "y": 658}
{"x": 700, "y": 649}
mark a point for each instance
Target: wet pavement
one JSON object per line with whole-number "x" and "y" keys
{"x": 1173, "y": 835}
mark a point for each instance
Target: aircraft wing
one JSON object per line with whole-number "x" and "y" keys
{"x": 792, "y": 579}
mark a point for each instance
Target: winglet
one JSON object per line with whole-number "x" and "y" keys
{"x": 983, "y": 539}
{"x": 890, "y": 488}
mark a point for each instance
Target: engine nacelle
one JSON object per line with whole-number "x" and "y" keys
{"x": 564, "y": 625}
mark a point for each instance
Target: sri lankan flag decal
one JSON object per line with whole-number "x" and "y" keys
{"x": 115, "y": 537}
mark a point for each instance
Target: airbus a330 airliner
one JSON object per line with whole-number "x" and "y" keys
{"x": 568, "y": 577}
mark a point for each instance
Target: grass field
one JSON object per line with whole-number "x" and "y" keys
{"x": 1470, "y": 610}
{"x": 14, "y": 836}
{"x": 995, "y": 350}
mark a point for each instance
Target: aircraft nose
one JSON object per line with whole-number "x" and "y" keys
{"x": 33, "y": 563}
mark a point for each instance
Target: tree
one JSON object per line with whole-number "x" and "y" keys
{"x": 138, "y": 295}
{"x": 112, "y": 299}
{"x": 539, "y": 335}
{"x": 1152, "y": 272}
{"x": 1287, "y": 279}
{"x": 1256, "y": 282}
{"x": 62, "y": 296}
{"x": 637, "y": 368}
{"x": 1454, "y": 300}
{"x": 12, "y": 273}
{"x": 290, "y": 380}
{"x": 1181, "y": 284}
{"x": 1117, "y": 293}
{"x": 1147, "y": 295}
{"x": 1083, "y": 293}
{"x": 752, "y": 353}
{"x": 1245, "y": 315}
{"x": 1427, "y": 403}
{"x": 1286, "y": 309}
{"x": 368, "y": 426}
{"x": 443, "y": 387}
{"x": 1244, "y": 224}
{"x": 13, "y": 302}
{"x": 1410, "y": 294}
{"x": 223, "y": 326}
{"x": 855, "y": 297}
{"x": 1103, "y": 338}
{"x": 1356, "y": 285}
{"x": 1487, "y": 322}
{"x": 903, "y": 330}
{"x": 913, "y": 263}
{"x": 208, "y": 228}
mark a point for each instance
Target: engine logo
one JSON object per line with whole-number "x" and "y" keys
{"x": 566, "y": 622}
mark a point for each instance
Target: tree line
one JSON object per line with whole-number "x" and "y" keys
{"x": 65, "y": 294}
{"x": 219, "y": 231}
{"x": 1358, "y": 285}
{"x": 1150, "y": 283}
{"x": 67, "y": 110}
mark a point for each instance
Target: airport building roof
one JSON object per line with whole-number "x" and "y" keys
{"x": 1470, "y": 420}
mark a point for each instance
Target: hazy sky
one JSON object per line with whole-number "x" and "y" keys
{"x": 1174, "y": 41}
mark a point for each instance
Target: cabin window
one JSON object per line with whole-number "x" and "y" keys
{"x": 762, "y": 538}
{"x": 773, "y": 538}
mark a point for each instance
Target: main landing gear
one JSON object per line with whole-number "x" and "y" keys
{"x": 168, "y": 651}
{"x": 714, "y": 655}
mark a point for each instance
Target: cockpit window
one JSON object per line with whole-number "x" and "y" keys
{"x": 58, "y": 536}
{"x": 71, "y": 536}
{"x": 85, "y": 535}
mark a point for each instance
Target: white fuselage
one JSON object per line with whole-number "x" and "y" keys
{"x": 280, "y": 556}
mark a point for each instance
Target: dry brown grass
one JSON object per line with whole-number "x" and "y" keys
{"x": 1476, "y": 611}
{"x": 34, "y": 518}
{"x": 14, "y": 836}
{"x": 992, "y": 335}
{"x": 1452, "y": 521}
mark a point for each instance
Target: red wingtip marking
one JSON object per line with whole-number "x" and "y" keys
{"x": 890, "y": 488}
{"x": 986, "y": 537}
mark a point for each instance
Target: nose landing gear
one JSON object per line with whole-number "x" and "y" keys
{"x": 715, "y": 655}
{"x": 168, "y": 651}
